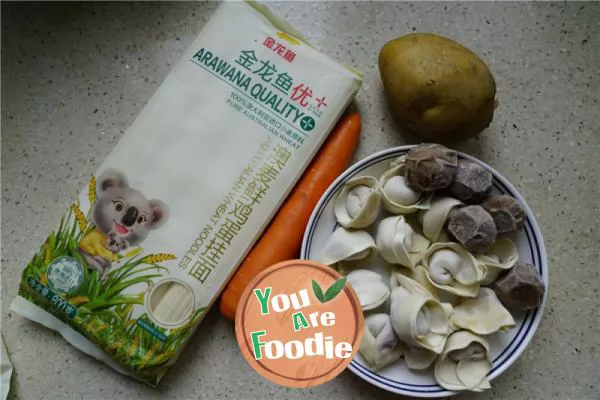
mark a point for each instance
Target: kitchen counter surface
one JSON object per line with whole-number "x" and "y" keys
{"x": 74, "y": 76}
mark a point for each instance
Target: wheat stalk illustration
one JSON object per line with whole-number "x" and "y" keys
{"x": 134, "y": 346}
{"x": 92, "y": 190}
{"x": 157, "y": 258}
{"x": 79, "y": 216}
{"x": 47, "y": 253}
{"x": 149, "y": 354}
{"x": 77, "y": 300}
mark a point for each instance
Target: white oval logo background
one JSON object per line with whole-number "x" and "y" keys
{"x": 65, "y": 274}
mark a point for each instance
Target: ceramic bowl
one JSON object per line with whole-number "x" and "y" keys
{"x": 505, "y": 347}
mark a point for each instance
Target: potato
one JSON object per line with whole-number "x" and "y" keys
{"x": 440, "y": 89}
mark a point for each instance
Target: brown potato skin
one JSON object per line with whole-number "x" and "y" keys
{"x": 440, "y": 89}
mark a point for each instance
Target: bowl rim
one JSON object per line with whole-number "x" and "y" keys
{"x": 436, "y": 391}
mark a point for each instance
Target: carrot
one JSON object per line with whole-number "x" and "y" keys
{"x": 283, "y": 237}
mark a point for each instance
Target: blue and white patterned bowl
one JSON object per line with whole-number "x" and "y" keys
{"x": 505, "y": 347}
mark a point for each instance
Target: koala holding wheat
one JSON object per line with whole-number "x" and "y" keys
{"x": 122, "y": 217}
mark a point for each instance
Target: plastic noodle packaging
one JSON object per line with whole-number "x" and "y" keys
{"x": 151, "y": 241}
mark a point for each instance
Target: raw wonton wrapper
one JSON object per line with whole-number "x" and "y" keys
{"x": 399, "y": 243}
{"x": 369, "y": 288}
{"x": 464, "y": 364}
{"x": 434, "y": 218}
{"x": 499, "y": 257}
{"x": 418, "y": 358}
{"x": 398, "y": 197}
{"x": 450, "y": 267}
{"x": 418, "y": 318}
{"x": 419, "y": 274}
{"x": 406, "y": 278}
{"x": 348, "y": 245}
{"x": 379, "y": 345}
{"x": 358, "y": 202}
{"x": 449, "y": 309}
{"x": 483, "y": 315}
{"x": 416, "y": 281}
{"x": 345, "y": 267}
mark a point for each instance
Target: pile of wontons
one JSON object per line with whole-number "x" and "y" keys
{"x": 435, "y": 310}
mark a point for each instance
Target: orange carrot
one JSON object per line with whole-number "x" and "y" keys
{"x": 283, "y": 237}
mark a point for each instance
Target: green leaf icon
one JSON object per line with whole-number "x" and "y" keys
{"x": 334, "y": 290}
{"x": 317, "y": 291}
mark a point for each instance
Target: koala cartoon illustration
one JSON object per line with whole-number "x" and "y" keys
{"x": 122, "y": 217}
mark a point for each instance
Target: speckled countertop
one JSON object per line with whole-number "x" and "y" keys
{"x": 74, "y": 77}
